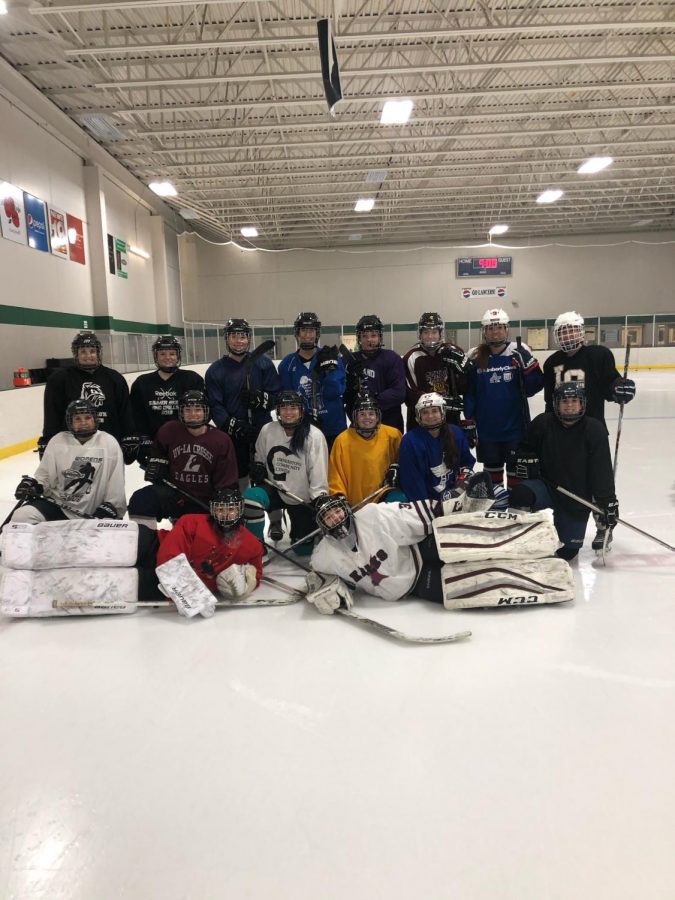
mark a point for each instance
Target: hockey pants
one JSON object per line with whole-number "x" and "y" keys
{"x": 534, "y": 495}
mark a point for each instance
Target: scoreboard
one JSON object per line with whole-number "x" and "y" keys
{"x": 477, "y": 266}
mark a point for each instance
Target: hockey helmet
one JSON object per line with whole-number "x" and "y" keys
{"x": 430, "y": 401}
{"x": 568, "y": 331}
{"x": 369, "y": 323}
{"x": 226, "y": 508}
{"x": 333, "y": 515}
{"x": 81, "y": 408}
{"x": 82, "y": 340}
{"x": 288, "y": 400}
{"x": 194, "y": 400}
{"x": 307, "y": 320}
{"x": 166, "y": 342}
{"x": 240, "y": 327}
{"x": 366, "y": 403}
{"x": 562, "y": 394}
{"x": 430, "y": 321}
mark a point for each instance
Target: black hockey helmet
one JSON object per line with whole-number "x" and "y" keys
{"x": 286, "y": 399}
{"x": 237, "y": 326}
{"x": 86, "y": 339}
{"x": 431, "y": 320}
{"x": 369, "y": 323}
{"x": 569, "y": 390}
{"x": 194, "y": 399}
{"x": 81, "y": 408}
{"x": 226, "y": 508}
{"x": 307, "y": 320}
{"x": 334, "y": 515}
{"x": 167, "y": 342}
{"x": 365, "y": 401}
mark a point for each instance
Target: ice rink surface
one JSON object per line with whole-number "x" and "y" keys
{"x": 275, "y": 754}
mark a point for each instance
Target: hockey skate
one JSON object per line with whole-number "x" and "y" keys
{"x": 602, "y": 542}
{"x": 276, "y": 531}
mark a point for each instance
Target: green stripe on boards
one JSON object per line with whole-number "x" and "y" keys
{"x": 48, "y": 318}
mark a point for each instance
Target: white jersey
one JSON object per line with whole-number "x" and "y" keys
{"x": 82, "y": 476}
{"x": 304, "y": 473}
{"x": 386, "y": 562}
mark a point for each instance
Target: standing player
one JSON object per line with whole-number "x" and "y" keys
{"x": 378, "y": 371}
{"x": 567, "y": 448}
{"x": 500, "y": 378}
{"x": 318, "y": 374}
{"x": 81, "y": 471}
{"x": 190, "y": 453}
{"x": 88, "y": 379}
{"x": 434, "y": 457}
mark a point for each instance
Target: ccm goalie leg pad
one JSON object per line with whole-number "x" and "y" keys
{"x": 179, "y": 581}
{"x": 495, "y": 535}
{"x": 97, "y": 543}
{"x": 67, "y": 592}
{"x": 505, "y": 582}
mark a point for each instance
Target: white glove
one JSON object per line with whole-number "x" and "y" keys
{"x": 332, "y": 594}
{"x": 236, "y": 582}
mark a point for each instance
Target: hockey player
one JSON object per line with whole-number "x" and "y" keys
{"x": 593, "y": 366}
{"x": 154, "y": 396}
{"x": 81, "y": 473}
{"x": 242, "y": 391}
{"x": 375, "y": 370}
{"x": 318, "y": 374}
{"x": 500, "y": 378}
{"x": 435, "y": 365}
{"x": 292, "y": 453}
{"x": 365, "y": 455}
{"x": 193, "y": 455}
{"x": 567, "y": 448}
{"x": 434, "y": 456}
{"x": 88, "y": 380}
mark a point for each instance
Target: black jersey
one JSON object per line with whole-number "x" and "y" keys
{"x": 594, "y": 366}
{"x": 154, "y": 400}
{"x": 104, "y": 388}
{"x": 576, "y": 458}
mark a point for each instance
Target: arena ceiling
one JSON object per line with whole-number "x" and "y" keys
{"x": 225, "y": 100}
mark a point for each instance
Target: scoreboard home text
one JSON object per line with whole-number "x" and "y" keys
{"x": 476, "y": 266}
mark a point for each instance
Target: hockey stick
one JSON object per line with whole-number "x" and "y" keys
{"x": 65, "y": 508}
{"x": 523, "y": 390}
{"x": 373, "y": 623}
{"x": 621, "y": 406}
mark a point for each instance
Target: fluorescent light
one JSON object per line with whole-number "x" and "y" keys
{"x": 396, "y": 112}
{"x": 190, "y": 215}
{"x": 376, "y": 175}
{"x": 163, "y": 188}
{"x": 354, "y": 237}
{"x": 550, "y": 196}
{"x": 498, "y": 229}
{"x": 3, "y": 8}
{"x": 595, "y": 164}
{"x": 102, "y": 127}
{"x": 138, "y": 251}
{"x": 642, "y": 222}
{"x": 364, "y": 204}
{"x": 249, "y": 231}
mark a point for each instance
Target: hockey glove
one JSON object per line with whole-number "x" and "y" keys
{"x": 391, "y": 476}
{"x": 453, "y": 407}
{"x": 327, "y": 360}
{"x": 468, "y": 426}
{"x": 610, "y": 514}
{"x": 131, "y": 448}
{"x": 157, "y": 469}
{"x": 452, "y": 356}
{"x": 623, "y": 390}
{"x": 523, "y": 360}
{"x": 257, "y": 473}
{"x": 462, "y": 478}
{"x": 41, "y": 447}
{"x": 328, "y": 594}
{"x": 240, "y": 430}
{"x": 255, "y": 399}
{"x": 105, "y": 511}
{"x": 28, "y": 489}
{"x": 526, "y": 466}
{"x": 236, "y": 581}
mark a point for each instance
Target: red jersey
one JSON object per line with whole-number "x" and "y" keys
{"x": 208, "y": 549}
{"x": 198, "y": 465}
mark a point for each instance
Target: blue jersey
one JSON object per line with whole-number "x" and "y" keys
{"x": 423, "y": 472}
{"x": 226, "y": 378}
{"x": 323, "y": 393}
{"x": 494, "y": 395}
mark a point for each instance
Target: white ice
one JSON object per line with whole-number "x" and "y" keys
{"x": 275, "y": 754}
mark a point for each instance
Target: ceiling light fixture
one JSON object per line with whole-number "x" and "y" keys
{"x": 550, "y": 196}
{"x": 498, "y": 229}
{"x": 163, "y": 188}
{"x": 595, "y": 164}
{"x": 364, "y": 204}
{"x": 249, "y": 231}
{"x": 396, "y": 112}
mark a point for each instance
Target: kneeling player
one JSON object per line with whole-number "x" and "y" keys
{"x": 567, "y": 448}
{"x": 81, "y": 473}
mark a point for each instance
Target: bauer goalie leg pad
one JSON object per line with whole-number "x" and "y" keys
{"x": 495, "y": 535}
{"x": 179, "y": 581}
{"x": 67, "y": 592}
{"x": 505, "y": 582}
{"x": 95, "y": 543}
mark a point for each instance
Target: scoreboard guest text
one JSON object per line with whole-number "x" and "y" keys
{"x": 477, "y": 266}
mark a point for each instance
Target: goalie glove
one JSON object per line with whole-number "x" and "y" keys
{"x": 327, "y": 594}
{"x": 236, "y": 581}
{"x": 623, "y": 390}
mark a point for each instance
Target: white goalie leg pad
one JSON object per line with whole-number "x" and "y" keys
{"x": 495, "y": 535}
{"x": 506, "y": 582}
{"x": 236, "y": 582}
{"x": 67, "y": 592}
{"x": 180, "y": 582}
{"x": 331, "y": 595}
{"x": 97, "y": 543}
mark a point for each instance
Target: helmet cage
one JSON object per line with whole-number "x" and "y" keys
{"x": 286, "y": 399}
{"x": 431, "y": 320}
{"x": 81, "y": 407}
{"x": 369, "y": 323}
{"x": 335, "y": 503}
{"x": 495, "y": 317}
{"x": 569, "y": 390}
{"x": 226, "y": 508}
{"x": 307, "y": 320}
{"x": 167, "y": 342}
{"x": 86, "y": 339}
{"x": 361, "y": 404}
{"x": 568, "y": 331}
{"x": 237, "y": 326}
{"x": 194, "y": 400}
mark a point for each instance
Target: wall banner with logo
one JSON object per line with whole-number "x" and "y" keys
{"x": 75, "y": 239}
{"x": 12, "y": 213}
{"x": 484, "y": 293}
{"x": 36, "y": 222}
{"x": 121, "y": 258}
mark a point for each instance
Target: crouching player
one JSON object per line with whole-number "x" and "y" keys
{"x": 567, "y": 448}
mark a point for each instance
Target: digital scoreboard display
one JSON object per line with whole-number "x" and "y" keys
{"x": 477, "y": 266}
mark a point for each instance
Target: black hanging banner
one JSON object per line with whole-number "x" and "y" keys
{"x": 330, "y": 70}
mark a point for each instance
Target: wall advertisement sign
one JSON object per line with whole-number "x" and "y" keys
{"x": 12, "y": 213}
{"x": 482, "y": 293}
{"x": 121, "y": 258}
{"x": 75, "y": 231}
{"x": 58, "y": 236}
{"x": 36, "y": 222}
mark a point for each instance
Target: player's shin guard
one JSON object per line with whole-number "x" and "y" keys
{"x": 507, "y": 583}
{"x": 68, "y": 592}
{"x": 496, "y": 474}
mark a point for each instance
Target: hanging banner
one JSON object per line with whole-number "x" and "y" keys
{"x": 36, "y": 222}
{"x": 480, "y": 293}
{"x": 58, "y": 237}
{"x": 121, "y": 259}
{"x": 12, "y": 214}
{"x": 75, "y": 231}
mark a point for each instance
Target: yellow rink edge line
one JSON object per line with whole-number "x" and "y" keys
{"x": 21, "y": 447}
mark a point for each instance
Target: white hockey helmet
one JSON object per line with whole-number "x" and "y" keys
{"x": 568, "y": 331}
{"x": 429, "y": 401}
{"x": 491, "y": 319}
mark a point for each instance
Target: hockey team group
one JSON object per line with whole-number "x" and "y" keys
{"x": 318, "y": 448}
